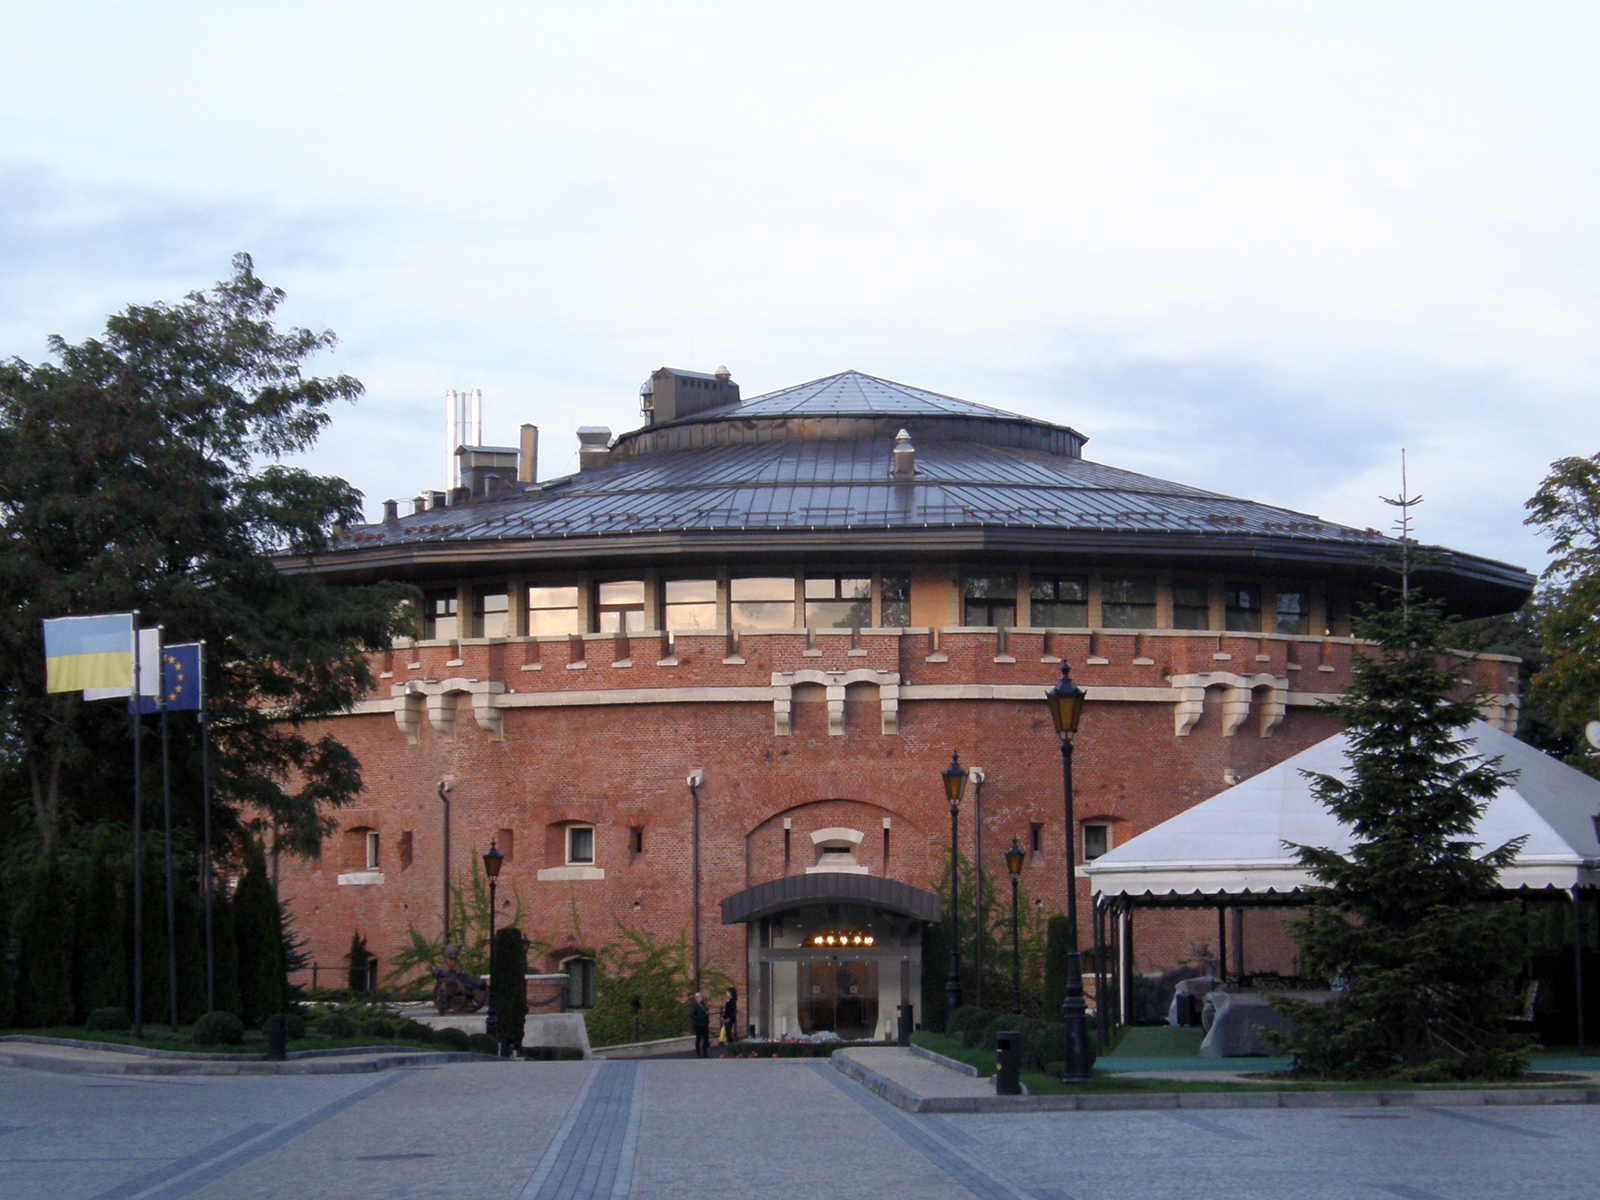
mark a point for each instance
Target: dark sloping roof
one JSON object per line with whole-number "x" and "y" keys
{"x": 846, "y": 485}
{"x": 829, "y": 887}
{"x": 852, "y": 394}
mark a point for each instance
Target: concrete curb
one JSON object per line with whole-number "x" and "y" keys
{"x": 237, "y": 1065}
{"x": 950, "y": 1063}
{"x": 629, "y": 1050}
{"x": 33, "y": 1039}
{"x": 902, "y": 1098}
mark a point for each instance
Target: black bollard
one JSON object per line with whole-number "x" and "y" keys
{"x": 905, "y": 1025}
{"x": 277, "y": 1038}
{"x": 1008, "y": 1076}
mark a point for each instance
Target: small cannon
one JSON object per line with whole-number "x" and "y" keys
{"x": 454, "y": 991}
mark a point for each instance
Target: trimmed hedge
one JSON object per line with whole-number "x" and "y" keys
{"x": 219, "y": 1029}
{"x": 109, "y": 1020}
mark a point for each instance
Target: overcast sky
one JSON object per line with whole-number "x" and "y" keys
{"x": 1256, "y": 247}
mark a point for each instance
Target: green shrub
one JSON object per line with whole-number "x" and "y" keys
{"x": 44, "y": 953}
{"x": 109, "y": 1020}
{"x": 453, "y": 1039}
{"x": 295, "y": 1026}
{"x": 508, "y": 967}
{"x": 377, "y": 1024}
{"x": 219, "y": 1029}
{"x": 482, "y": 1043}
{"x": 336, "y": 1025}
{"x": 967, "y": 1022}
{"x": 414, "y": 1031}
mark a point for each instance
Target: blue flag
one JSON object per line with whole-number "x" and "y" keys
{"x": 180, "y": 678}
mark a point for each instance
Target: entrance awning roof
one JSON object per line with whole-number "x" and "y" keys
{"x": 1233, "y": 844}
{"x": 829, "y": 887}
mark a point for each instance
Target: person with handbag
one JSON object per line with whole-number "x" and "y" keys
{"x": 729, "y": 1033}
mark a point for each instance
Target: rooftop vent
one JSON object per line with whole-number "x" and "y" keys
{"x": 670, "y": 393}
{"x": 391, "y": 512}
{"x": 905, "y": 456}
{"x": 594, "y": 447}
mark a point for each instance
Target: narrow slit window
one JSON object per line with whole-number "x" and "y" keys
{"x": 372, "y": 849}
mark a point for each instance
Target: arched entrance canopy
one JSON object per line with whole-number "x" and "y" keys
{"x": 829, "y": 887}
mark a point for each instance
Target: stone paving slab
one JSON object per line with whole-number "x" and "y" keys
{"x": 918, "y": 1085}
{"x": 85, "y": 1059}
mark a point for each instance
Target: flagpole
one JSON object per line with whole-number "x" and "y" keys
{"x": 166, "y": 817}
{"x": 205, "y": 825}
{"x": 138, "y": 848}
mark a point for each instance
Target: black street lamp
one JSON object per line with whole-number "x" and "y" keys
{"x": 955, "y": 779}
{"x": 491, "y": 868}
{"x": 1014, "y": 860}
{"x": 1066, "y": 710}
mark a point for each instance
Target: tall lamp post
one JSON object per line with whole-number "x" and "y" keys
{"x": 491, "y": 868}
{"x": 1014, "y": 860}
{"x": 955, "y": 779}
{"x": 1066, "y": 710}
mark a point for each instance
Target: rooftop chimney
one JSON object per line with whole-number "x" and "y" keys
{"x": 905, "y": 456}
{"x": 391, "y": 512}
{"x": 594, "y": 447}
{"x": 528, "y": 455}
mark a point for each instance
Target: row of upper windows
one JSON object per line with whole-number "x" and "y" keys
{"x": 762, "y": 603}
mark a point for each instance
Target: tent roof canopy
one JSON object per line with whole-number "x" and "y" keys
{"x": 1232, "y": 845}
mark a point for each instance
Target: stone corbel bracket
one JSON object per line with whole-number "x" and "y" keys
{"x": 1239, "y": 693}
{"x": 1501, "y": 710}
{"x": 834, "y": 684}
{"x": 439, "y": 699}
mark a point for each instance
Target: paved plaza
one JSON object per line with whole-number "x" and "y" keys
{"x": 664, "y": 1129}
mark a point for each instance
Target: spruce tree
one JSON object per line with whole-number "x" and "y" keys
{"x": 1409, "y": 916}
{"x": 44, "y": 958}
{"x": 224, "y": 951}
{"x": 258, "y": 937}
{"x": 1055, "y": 966}
{"x": 100, "y": 970}
{"x": 8, "y": 993}
{"x": 507, "y": 971}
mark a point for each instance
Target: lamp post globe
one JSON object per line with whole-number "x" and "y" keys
{"x": 954, "y": 778}
{"x": 1015, "y": 858}
{"x": 492, "y": 861}
{"x": 1065, "y": 701}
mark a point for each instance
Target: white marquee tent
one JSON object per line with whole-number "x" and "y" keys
{"x": 1232, "y": 845}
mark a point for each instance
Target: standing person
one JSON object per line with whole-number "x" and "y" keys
{"x": 700, "y": 1022}
{"x": 729, "y": 1033}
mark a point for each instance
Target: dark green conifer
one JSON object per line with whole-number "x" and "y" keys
{"x": 1409, "y": 917}
{"x": 44, "y": 957}
{"x": 100, "y": 970}
{"x": 258, "y": 937}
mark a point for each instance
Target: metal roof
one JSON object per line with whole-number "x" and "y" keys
{"x": 829, "y": 887}
{"x": 852, "y": 394}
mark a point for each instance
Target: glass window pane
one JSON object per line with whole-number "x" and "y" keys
{"x": 1096, "y": 841}
{"x": 439, "y": 616}
{"x": 1128, "y": 603}
{"x": 691, "y": 591}
{"x": 624, "y": 591}
{"x": 896, "y": 602}
{"x": 691, "y": 618}
{"x": 552, "y": 597}
{"x": 838, "y": 614}
{"x": 991, "y": 587}
{"x": 550, "y": 622}
{"x": 1191, "y": 606}
{"x": 1293, "y": 613}
{"x": 821, "y": 589}
{"x": 1059, "y": 601}
{"x": 1243, "y": 607}
{"x": 490, "y": 612}
{"x": 580, "y": 844}
{"x": 762, "y": 588}
{"x": 754, "y": 615}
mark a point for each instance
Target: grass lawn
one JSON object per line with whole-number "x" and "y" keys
{"x": 161, "y": 1037}
{"x": 1168, "y": 1043}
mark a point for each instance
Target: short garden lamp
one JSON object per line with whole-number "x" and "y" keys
{"x": 1015, "y": 857}
{"x": 491, "y": 867}
{"x": 955, "y": 781}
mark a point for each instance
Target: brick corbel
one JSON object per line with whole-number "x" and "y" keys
{"x": 440, "y": 700}
{"x": 834, "y": 684}
{"x": 1239, "y": 693}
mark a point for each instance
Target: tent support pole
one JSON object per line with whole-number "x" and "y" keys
{"x": 1577, "y": 963}
{"x": 1222, "y": 943}
{"x": 1100, "y": 1014}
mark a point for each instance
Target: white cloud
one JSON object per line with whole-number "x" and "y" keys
{"x": 1255, "y": 247}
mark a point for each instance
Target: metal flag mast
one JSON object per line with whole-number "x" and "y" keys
{"x": 138, "y": 846}
{"x": 166, "y": 819}
{"x": 205, "y": 832}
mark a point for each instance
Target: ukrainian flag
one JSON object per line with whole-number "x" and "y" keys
{"x": 88, "y": 652}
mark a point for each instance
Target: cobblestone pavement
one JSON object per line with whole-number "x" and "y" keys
{"x": 661, "y": 1130}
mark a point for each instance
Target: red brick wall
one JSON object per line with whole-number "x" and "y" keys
{"x": 620, "y": 766}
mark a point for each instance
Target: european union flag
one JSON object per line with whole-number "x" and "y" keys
{"x": 180, "y": 677}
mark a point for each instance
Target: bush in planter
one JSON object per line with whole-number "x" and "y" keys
{"x": 109, "y": 1020}
{"x": 294, "y": 1025}
{"x": 219, "y": 1029}
{"x": 454, "y": 1039}
{"x": 967, "y": 1023}
{"x": 413, "y": 1031}
{"x": 482, "y": 1043}
{"x": 336, "y": 1025}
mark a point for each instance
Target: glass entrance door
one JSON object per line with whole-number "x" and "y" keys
{"x": 839, "y": 996}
